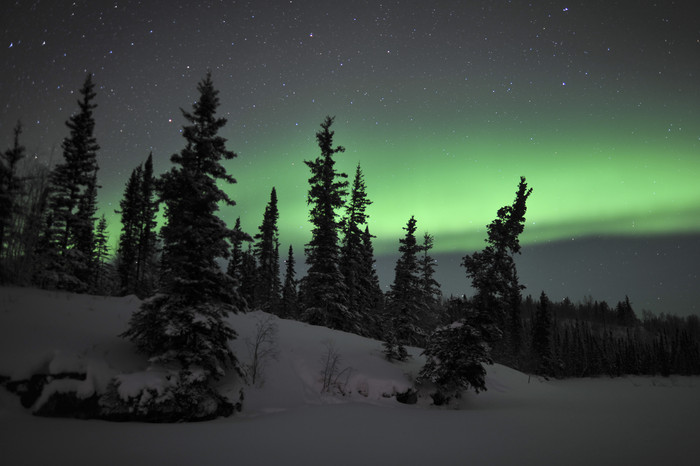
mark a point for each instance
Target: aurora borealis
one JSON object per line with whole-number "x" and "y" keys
{"x": 445, "y": 104}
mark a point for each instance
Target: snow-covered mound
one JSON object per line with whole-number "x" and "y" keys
{"x": 51, "y": 332}
{"x": 289, "y": 418}
{"x": 55, "y": 332}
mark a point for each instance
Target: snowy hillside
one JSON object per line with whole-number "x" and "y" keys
{"x": 290, "y": 419}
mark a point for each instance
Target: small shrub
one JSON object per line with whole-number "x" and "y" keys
{"x": 333, "y": 378}
{"x": 261, "y": 350}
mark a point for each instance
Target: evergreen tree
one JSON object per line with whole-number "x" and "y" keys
{"x": 430, "y": 288}
{"x": 353, "y": 262}
{"x": 373, "y": 297}
{"x": 146, "y": 264}
{"x": 276, "y": 293}
{"x": 405, "y": 303}
{"x": 290, "y": 302}
{"x": 324, "y": 295}
{"x": 131, "y": 227}
{"x": 493, "y": 274}
{"x": 542, "y": 336}
{"x": 85, "y": 233}
{"x": 184, "y": 323}
{"x": 266, "y": 251}
{"x": 625, "y": 314}
{"x": 137, "y": 243}
{"x": 236, "y": 269}
{"x": 102, "y": 280}
{"x": 72, "y": 203}
{"x": 455, "y": 354}
{"x": 249, "y": 276}
{"x": 454, "y": 360}
{"x": 234, "y": 263}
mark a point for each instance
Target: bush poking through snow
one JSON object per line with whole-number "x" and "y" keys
{"x": 333, "y": 378}
{"x": 409, "y": 397}
{"x": 165, "y": 396}
{"x": 261, "y": 349}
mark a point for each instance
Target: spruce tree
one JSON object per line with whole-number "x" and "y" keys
{"x": 72, "y": 203}
{"x": 249, "y": 276}
{"x": 542, "y": 336}
{"x": 85, "y": 233}
{"x": 266, "y": 251}
{"x": 236, "y": 267}
{"x": 276, "y": 292}
{"x": 494, "y": 277}
{"x": 430, "y": 288}
{"x": 137, "y": 264}
{"x": 290, "y": 304}
{"x": 130, "y": 206}
{"x": 324, "y": 295}
{"x": 405, "y": 304}
{"x": 455, "y": 354}
{"x": 234, "y": 263}
{"x": 184, "y": 323}
{"x": 625, "y": 314}
{"x": 102, "y": 279}
{"x": 352, "y": 254}
{"x": 146, "y": 265}
{"x": 372, "y": 295}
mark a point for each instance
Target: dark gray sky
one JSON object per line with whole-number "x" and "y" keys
{"x": 444, "y": 103}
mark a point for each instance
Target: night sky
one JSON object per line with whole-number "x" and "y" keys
{"x": 445, "y": 104}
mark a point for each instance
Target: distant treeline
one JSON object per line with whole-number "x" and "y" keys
{"x": 594, "y": 339}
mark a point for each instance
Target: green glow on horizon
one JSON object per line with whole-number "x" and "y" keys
{"x": 615, "y": 177}
{"x": 611, "y": 186}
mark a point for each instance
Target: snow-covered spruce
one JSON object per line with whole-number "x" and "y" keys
{"x": 183, "y": 327}
{"x": 454, "y": 361}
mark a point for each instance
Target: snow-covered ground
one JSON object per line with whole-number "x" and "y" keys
{"x": 519, "y": 420}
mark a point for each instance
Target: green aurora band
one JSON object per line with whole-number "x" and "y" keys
{"x": 633, "y": 177}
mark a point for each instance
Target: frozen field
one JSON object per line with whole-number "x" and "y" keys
{"x": 519, "y": 420}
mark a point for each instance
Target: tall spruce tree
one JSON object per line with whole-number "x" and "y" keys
{"x": 494, "y": 277}
{"x": 430, "y": 287}
{"x": 184, "y": 323}
{"x": 455, "y": 354}
{"x": 405, "y": 304}
{"x": 290, "y": 300}
{"x": 267, "y": 287}
{"x": 352, "y": 254}
{"x": 324, "y": 295}
{"x": 73, "y": 201}
{"x": 85, "y": 233}
{"x": 276, "y": 293}
{"x": 128, "y": 247}
{"x": 147, "y": 251}
{"x": 372, "y": 295}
